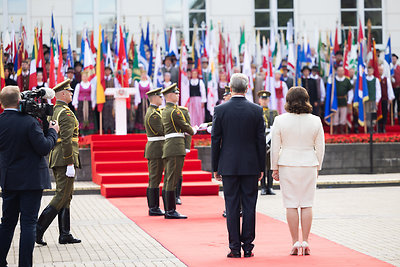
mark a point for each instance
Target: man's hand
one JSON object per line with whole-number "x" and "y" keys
{"x": 203, "y": 126}
{"x": 54, "y": 125}
{"x": 70, "y": 171}
{"x": 261, "y": 176}
{"x": 275, "y": 175}
{"x": 217, "y": 176}
{"x": 195, "y": 128}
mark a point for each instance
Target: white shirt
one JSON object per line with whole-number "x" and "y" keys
{"x": 195, "y": 82}
{"x": 378, "y": 89}
{"x": 84, "y": 85}
{"x": 146, "y": 83}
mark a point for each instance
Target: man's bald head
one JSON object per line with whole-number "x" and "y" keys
{"x": 10, "y": 97}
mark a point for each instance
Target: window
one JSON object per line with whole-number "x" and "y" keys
{"x": 83, "y": 18}
{"x": 272, "y": 14}
{"x": 197, "y": 15}
{"x": 173, "y": 18}
{"x": 17, "y": 10}
{"x": 348, "y": 16}
{"x": 107, "y": 16}
{"x": 373, "y": 12}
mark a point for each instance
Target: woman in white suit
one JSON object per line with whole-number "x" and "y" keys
{"x": 297, "y": 152}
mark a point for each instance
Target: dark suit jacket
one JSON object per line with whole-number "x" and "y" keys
{"x": 238, "y": 138}
{"x": 23, "y": 148}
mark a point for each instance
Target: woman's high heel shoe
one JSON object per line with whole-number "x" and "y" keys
{"x": 295, "y": 249}
{"x": 305, "y": 248}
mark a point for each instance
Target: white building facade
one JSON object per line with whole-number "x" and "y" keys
{"x": 310, "y": 17}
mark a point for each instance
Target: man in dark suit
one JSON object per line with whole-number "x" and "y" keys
{"x": 238, "y": 159}
{"x": 23, "y": 174}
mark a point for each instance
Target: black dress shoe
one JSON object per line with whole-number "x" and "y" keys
{"x": 270, "y": 192}
{"x": 224, "y": 214}
{"x": 248, "y": 254}
{"x": 156, "y": 212}
{"x": 68, "y": 239}
{"x": 263, "y": 191}
{"x": 233, "y": 254}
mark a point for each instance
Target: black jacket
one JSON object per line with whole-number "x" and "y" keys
{"x": 23, "y": 148}
{"x": 238, "y": 138}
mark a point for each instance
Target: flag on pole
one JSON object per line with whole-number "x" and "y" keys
{"x": 173, "y": 45}
{"x": 247, "y": 71}
{"x": 361, "y": 88}
{"x": 184, "y": 81}
{"x": 32, "y": 71}
{"x": 101, "y": 83}
{"x": 388, "y": 57}
{"x": 60, "y": 74}
{"x": 52, "y": 77}
{"x": 331, "y": 104}
{"x": 70, "y": 58}
{"x": 142, "y": 53}
{"x": 336, "y": 47}
{"x": 122, "y": 65}
{"x": 88, "y": 63}
{"x": 346, "y": 59}
{"x": 166, "y": 40}
{"x": 158, "y": 75}
{"x": 109, "y": 58}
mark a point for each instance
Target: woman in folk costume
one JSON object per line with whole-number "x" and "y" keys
{"x": 278, "y": 94}
{"x": 221, "y": 86}
{"x": 84, "y": 101}
{"x": 197, "y": 99}
{"x": 141, "y": 101}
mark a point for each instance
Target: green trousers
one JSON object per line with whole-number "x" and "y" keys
{"x": 64, "y": 188}
{"x": 156, "y": 167}
{"x": 173, "y": 172}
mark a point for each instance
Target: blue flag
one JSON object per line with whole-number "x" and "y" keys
{"x": 81, "y": 58}
{"x": 331, "y": 104}
{"x": 69, "y": 55}
{"x": 297, "y": 79}
{"x": 115, "y": 41}
{"x": 388, "y": 56}
{"x": 361, "y": 88}
{"x": 166, "y": 42}
{"x": 142, "y": 53}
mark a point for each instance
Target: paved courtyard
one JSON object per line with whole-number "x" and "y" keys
{"x": 364, "y": 219}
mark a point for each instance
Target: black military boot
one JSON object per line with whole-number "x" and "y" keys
{"x": 263, "y": 186}
{"x": 45, "y": 219}
{"x": 170, "y": 206}
{"x": 64, "y": 226}
{"x": 269, "y": 184}
{"x": 178, "y": 192}
{"x": 153, "y": 201}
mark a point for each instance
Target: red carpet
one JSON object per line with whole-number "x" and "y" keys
{"x": 203, "y": 237}
{"x": 119, "y": 166}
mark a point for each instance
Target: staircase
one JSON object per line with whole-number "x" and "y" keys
{"x": 119, "y": 166}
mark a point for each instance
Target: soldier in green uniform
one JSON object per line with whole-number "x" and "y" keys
{"x": 188, "y": 144}
{"x": 269, "y": 116}
{"x": 63, "y": 160}
{"x": 175, "y": 125}
{"x": 153, "y": 151}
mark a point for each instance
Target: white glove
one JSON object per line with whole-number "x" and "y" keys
{"x": 70, "y": 171}
{"x": 187, "y": 150}
{"x": 203, "y": 126}
{"x": 195, "y": 128}
{"x": 209, "y": 128}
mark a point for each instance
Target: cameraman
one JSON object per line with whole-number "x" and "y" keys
{"x": 23, "y": 173}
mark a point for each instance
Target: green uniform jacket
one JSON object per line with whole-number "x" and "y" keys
{"x": 342, "y": 88}
{"x": 154, "y": 127}
{"x": 174, "y": 122}
{"x": 188, "y": 137}
{"x": 66, "y": 151}
{"x": 269, "y": 116}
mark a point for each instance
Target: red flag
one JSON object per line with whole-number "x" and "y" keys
{"x": 221, "y": 50}
{"x": 60, "y": 75}
{"x": 52, "y": 77}
{"x": 40, "y": 62}
{"x": 346, "y": 54}
{"x": 336, "y": 45}
{"x": 92, "y": 44}
{"x": 360, "y": 32}
{"x": 122, "y": 66}
{"x": 32, "y": 72}
{"x": 101, "y": 83}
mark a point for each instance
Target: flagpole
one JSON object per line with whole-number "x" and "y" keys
{"x": 391, "y": 114}
{"x": 365, "y": 118}
{"x": 101, "y": 122}
{"x": 332, "y": 92}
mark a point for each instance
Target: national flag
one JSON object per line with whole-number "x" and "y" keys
{"x": 131, "y": 49}
{"x": 82, "y": 56}
{"x": 109, "y": 58}
{"x": 32, "y": 71}
{"x": 92, "y": 47}
{"x": 7, "y": 44}
{"x": 331, "y": 104}
{"x": 18, "y": 65}
{"x": 142, "y": 53}
{"x": 347, "y": 51}
{"x": 221, "y": 49}
{"x": 247, "y": 71}
{"x": 122, "y": 65}
{"x": 229, "y": 60}
{"x": 374, "y": 61}
{"x": 336, "y": 46}
{"x": 158, "y": 75}
{"x": 361, "y": 88}
{"x": 166, "y": 40}
{"x": 52, "y": 77}
{"x": 149, "y": 48}
{"x": 173, "y": 45}
{"x": 242, "y": 40}
{"x": 60, "y": 74}
{"x": 388, "y": 58}
{"x": 101, "y": 83}
{"x": 297, "y": 79}
{"x": 88, "y": 63}
{"x": 115, "y": 40}
{"x": 61, "y": 40}
{"x": 135, "y": 67}
{"x": 184, "y": 81}
{"x": 70, "y": 58}
{"x": 212, "y": 85}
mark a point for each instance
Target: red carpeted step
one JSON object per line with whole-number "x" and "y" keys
{"x": 132, "y": 155}
{"x": 109, "y": 137}
{"x": 139, "y": 166}
{"x": 143, "y": 177}
{"x": 120, "y": 145}
{"x": 139, "y": 189}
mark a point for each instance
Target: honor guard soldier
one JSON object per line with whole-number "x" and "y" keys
{"x": 154, "y": 150}
{"x": 63, "y": 160}
{"x": 269, "y": 116}
{"x": 188, "y": 144}
{"x": 175, "y": 125}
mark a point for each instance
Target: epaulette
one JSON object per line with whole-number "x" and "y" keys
{"x": 184, "y": 108}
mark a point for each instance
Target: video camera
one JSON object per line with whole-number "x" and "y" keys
{"x": 34, "y": 103}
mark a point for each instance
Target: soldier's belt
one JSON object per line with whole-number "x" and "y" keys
{"x": 172, "y": 135}
{"x": 155, "y": 138}
{"x": 73, "y": 139}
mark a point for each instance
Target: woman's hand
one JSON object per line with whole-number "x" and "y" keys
{"x": 275, "y": 175}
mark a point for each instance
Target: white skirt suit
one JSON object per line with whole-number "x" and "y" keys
{"x": 297, "y": 151}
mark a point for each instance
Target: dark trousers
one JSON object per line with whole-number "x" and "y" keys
{"x": 266, "y": 180}
{"x": 240, "y": 189}
{"x": 397, "y": 100}
{"x": 382, "y": 122}
{"x": 26, "y": 203}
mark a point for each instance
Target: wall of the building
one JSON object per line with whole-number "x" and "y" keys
{"x": 310, "y": 17}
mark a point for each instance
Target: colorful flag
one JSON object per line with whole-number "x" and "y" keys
{"x": 173, "y": 45}
{"x": 122, "y": 65}
{"x": 70, "y": 58}
{"x": 347, "y": 50}
{"x": 388, "y": 57}
{"x": 60, "y": 74}
{"x": 2, "y": 76}
{"x": 242, "y": 40}
{"x": 88, "y": 63}
{"x": 184, "y": 81}
{"x": 336, "y": 47}
{"x": 101, "y": 83}
{"x": 158, "y": 75}
{"x": 109, "y": 58}
{"x": 52, "y": 77}
{"x": 142, "y": 52}
{"x": 297, "y": 79}
{"x": 331, "y": 104}
{"x": 32, "y": 71}
{"x": 361, "y": 88}
{"x": 247, "y": 71}
{"x": 166, "y": 40}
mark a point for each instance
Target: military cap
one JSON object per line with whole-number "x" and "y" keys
{"x": 227, "y": 90}
{"x": 65, "y": 85}
{"x": 394, "y": 55}
{"x": 170, "y": 89}
{"x": 264, "y": 94}
{"x": 154, "y": 92}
